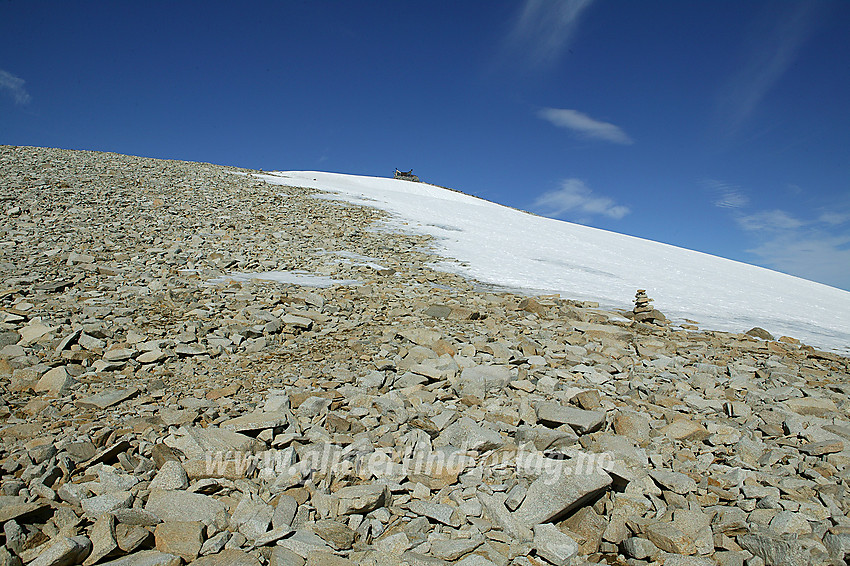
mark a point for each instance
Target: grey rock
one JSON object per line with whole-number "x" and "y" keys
{"x": 774, "y": 550}
{"x": 440, "y": 512}
{"x": 135, "y": 516}
{"x": 640, "y": 548}
{"x": 284, "y": 512}
{"x": 255, "y": 421}
{"x": 553, "y": 545}
{"x": 252, "y": 517}
{"x": 198, "y": 442}
{"x": 170, "y": 476}
{"x": 182, "y": 538}
{"x": 56, "y": 381}
{"x": 476, "y": 560}
{"x": 469, "y": 435}
{"x": 303, "y": 543}
{"x": 6, "y": 557}
{"x": 185, "y": 506}
{"x": 452, "y": 549}
{"x": 64, "y": 551}
{"x": 556, "y": 493}
{"x": 362, "y": 498}
{"x": 494, "y": 506}
{"x": 107, "y": 503}
{"x": 580, "y": 420}
{"x": 228, "y": 557}
{"x": 107, "y": 398}
{"x": 674, "y": 481}
{"x": 102, "y": 539}
{"x": 146, "y": 558}
{"x": 281, "y": 556}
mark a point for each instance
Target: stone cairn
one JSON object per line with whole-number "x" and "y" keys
{"x": 645, "y": 312}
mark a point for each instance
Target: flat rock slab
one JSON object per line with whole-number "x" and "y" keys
{"x": 106, "y": 503}
{"x": 107, "y": 398}
{"x": 16, "y": 510}
{"x": 102, "y": 536}
{"x": 184, "y": 506}
{"x": 469, "y": 435}
{"x": 183, "y": 538}
{"x": 64, "y": 551}
{"x": 255, "y": 421}
{"x": 685, "y": 429}
{"x": 821, "y": 448}
{"x": 146, "y": 558}
{"x": 674, "y": 481}
{"x": 553, "y": 545}
{"x": 580, "y": 420}
{"x": 494, "y": 505}
{"x": 228, "y": 557}
{"x": 774, "y": 550}
{"x": 56, "y": 381}
{"x": 452, "y": 549}
{"x": 198, "y": 442}
{"x": 440, "y": 512}
{"x": 559, "y": 491}
{"x": 814, "y": 406}
{"x": 362, "y": 498}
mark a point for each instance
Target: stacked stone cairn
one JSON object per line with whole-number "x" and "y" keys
{"x": 645, "y": 312}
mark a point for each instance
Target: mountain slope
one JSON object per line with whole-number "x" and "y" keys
{"x": 502, "y": 246}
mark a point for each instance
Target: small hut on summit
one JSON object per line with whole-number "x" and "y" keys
{"x": 405, "y": 175}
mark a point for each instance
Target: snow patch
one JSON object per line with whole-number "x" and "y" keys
{"x": 505, "y": 247}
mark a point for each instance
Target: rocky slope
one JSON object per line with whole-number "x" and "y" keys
{"x": 154, "y": 411}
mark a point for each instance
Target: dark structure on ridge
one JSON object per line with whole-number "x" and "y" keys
{"x": 406, "y": 176}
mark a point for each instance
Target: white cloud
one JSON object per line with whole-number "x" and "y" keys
{"x": 545, "y": 27}
{"x": 765, "y": 65}
{"x": 813, "y": 244}
{"x": 14, "y": 86}
{"x": 769, "y": 220}
{"x": 575, "y": 197}
{"x": 728, "y": 196}
{"x": 834, "y": 218}
{"x": 584, "y": 125}
{"x": 814, "y": 256}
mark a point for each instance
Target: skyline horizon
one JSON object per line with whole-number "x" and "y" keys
{"x": 717, "y": 128}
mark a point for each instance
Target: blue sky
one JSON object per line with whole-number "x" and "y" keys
{"x": 719, "y": 126}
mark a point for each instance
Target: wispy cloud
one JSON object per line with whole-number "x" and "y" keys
{"x": 811, "y": 254}
{"x": 14, "y": 86}
{"x": 814, "y": 244}
{"x": 769, "y": 221}
{"x": 834, "y": 218}
{"x": 765, "y": 65}
{"x": 574, "y": 198}
{"x": 584, "y": 125}
{"x": 727, "y": 195}
{"x": 544, "y": 28}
